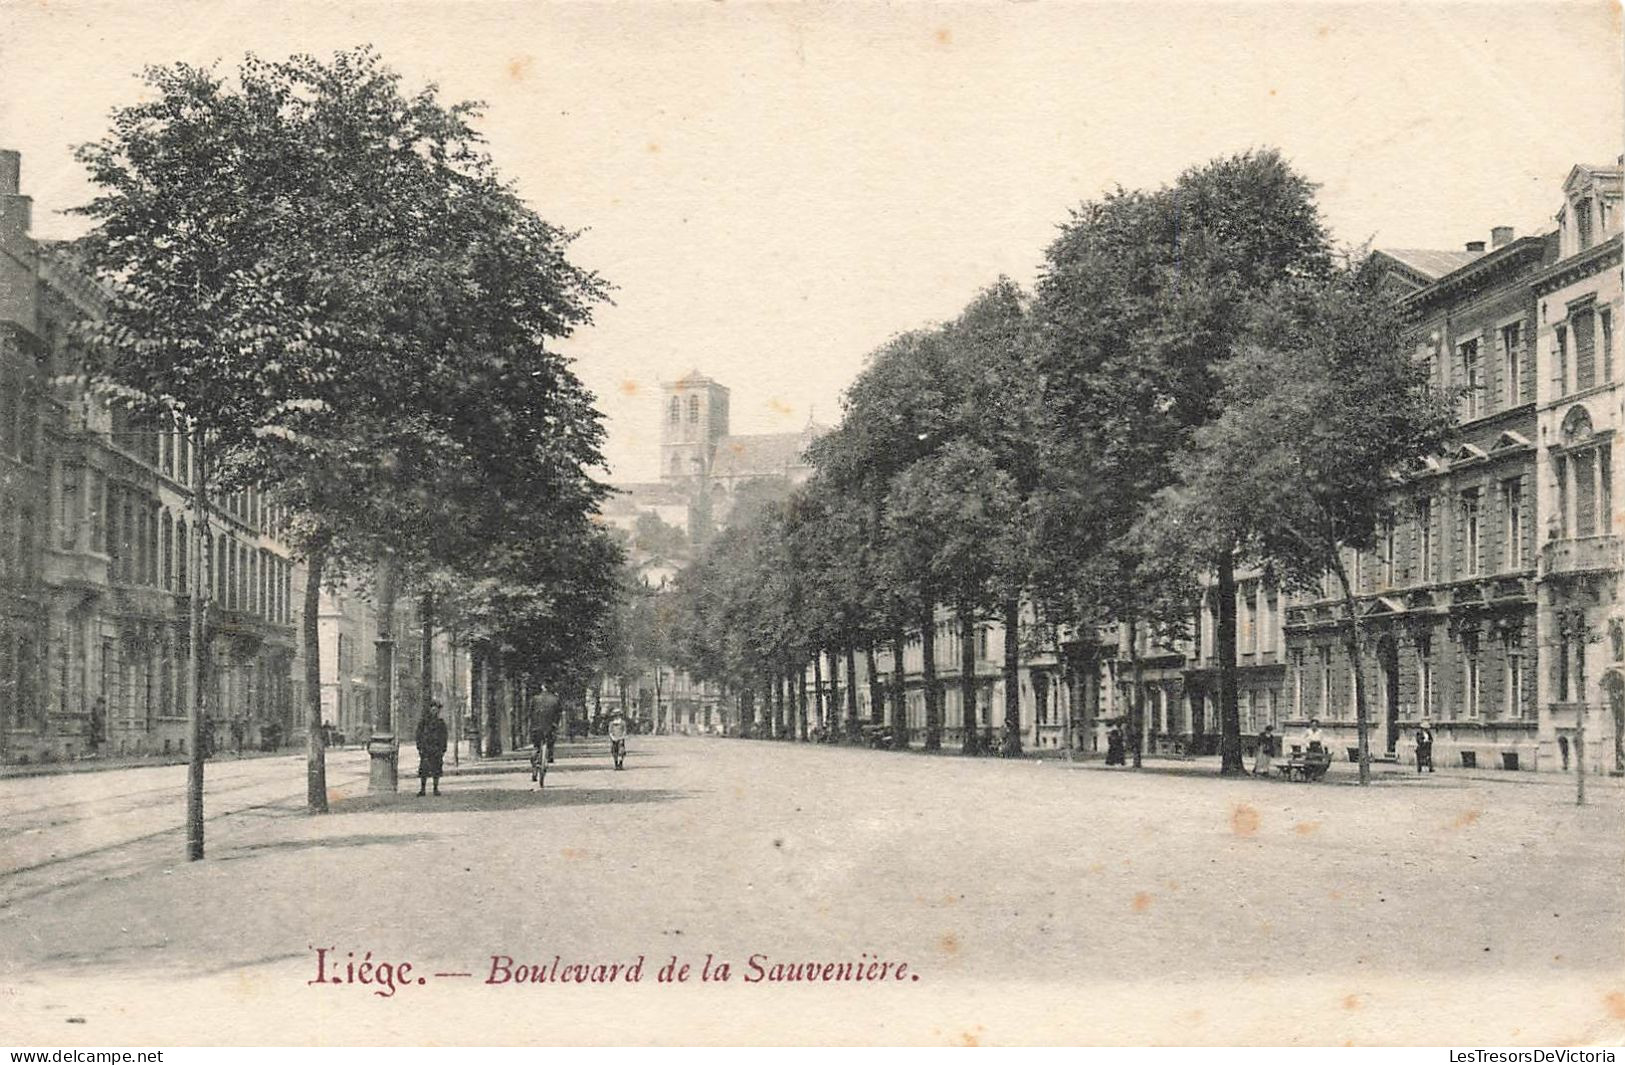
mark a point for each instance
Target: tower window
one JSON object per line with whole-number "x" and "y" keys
{"x": 676, "y": 415}
{"x": 693, "y": 409}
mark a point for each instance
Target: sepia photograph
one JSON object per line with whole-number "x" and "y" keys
{"x": 665, "y": 523}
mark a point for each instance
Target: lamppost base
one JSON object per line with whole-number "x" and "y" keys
{"x": 384, "y": 775}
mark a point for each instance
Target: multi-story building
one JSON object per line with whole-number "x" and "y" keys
{"x": 97, "y": 540}
{"x": 1578, "y": 410}
{"x": 1447, "y": 598}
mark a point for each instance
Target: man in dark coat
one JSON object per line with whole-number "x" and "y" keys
{"x": 431, "y": 738}
{"x": 1114, "y": 746}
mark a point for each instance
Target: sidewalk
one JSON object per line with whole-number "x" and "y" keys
{"x": 100, "y": 764}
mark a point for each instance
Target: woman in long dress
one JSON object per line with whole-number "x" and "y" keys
{"x": 1264, "y": 758}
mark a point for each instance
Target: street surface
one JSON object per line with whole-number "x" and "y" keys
{"x": 1031, "y": 899}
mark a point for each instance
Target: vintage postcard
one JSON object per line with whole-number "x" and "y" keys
{"x": 805, "y": 523}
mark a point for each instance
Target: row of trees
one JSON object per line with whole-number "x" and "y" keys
{"x": 1200, "y": 383}
{"x": 325, "y": 278}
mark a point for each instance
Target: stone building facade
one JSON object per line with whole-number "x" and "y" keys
{"x": 1578, "y": 310}
{"x": 99, "y": 544}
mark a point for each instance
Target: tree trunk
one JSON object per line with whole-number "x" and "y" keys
{"x": 1136, "y": 704}
{"x": 818, "y": 691}
{"x": 877, "y": 687}
{"x": 779, "y": 683}
{"x": 384, "y": 750}
{"x": 426, "y": 678}
{"x": 315, "y": 740}
{"x": 928, "y": 678}
{"x": 476, "y": 698}
{"x": 970, "y": 742}
{"x": 747, "y": 711}
{"x": 851, "y": 691}
{"x": 1361, "y": 723}
{"x": 767, "y": 707}
{"x": 1230, "y": 761}
{"x": 200, "y": 656}
{"x": 1012, "y": 678}
{"x": 801, "y": 698}
{"x": 899, "y": 690}
{"x": 493, "y": 707}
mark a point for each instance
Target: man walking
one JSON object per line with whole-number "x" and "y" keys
{"x": 431, "y": 739}
{"x": 617, "y": 739}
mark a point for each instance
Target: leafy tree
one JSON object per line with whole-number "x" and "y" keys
{"x": 326, "y": 278}
{"x": 1319, "y": 413}
{"x": 1143, "y": 298}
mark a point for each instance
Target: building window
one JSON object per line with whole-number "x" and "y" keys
{"x": 167, "y": 532}
{"x": 1582, "y": 222}
{"x": 1470, "y": 692}
{"x": 1297, "y": 683}
{"x": 676, "y": 413}
{"x": 1585, "y": 348}
{"x": 1424, "y": 526}
{"x": 1470, "y": 378}
{"x": 1249, "y": 618}
{"x": 1388, "y": 551}
{"x": 98, "y": 510}
{"x": 1325, "y": 681}
{"x": 183, "y": 552}
{"x": 1424, "y": 678}
{"x": 1512, "y": 353}
{"x": 1514, "y": 693}
{"x": 1605, "y": 325}
{"x": 693, "y": 410}
{"x": 1560, "y": 365}
{"x": 1582, "y": 466}
{"x": 1469, "y": 525}
{"x": 1512, "y": 507}
{"x": 72, "y": 507}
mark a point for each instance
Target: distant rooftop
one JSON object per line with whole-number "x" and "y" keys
{"x": 1432, "y": 263}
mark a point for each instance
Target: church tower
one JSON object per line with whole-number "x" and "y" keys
{"x": 694, "y": 416}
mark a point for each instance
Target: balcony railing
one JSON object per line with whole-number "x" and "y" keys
{"x": 1585, "y": 554}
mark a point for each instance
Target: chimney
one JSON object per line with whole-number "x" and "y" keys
{"x": 11, "y": 172}
{"x": 1500, "y": 236}
{"x": 1475, "y": 245}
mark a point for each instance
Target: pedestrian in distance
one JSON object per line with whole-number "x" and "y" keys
{"x": 431, "y": 740}
{"x": 1114, "y": 746}
{"x": 1563, "y": 749}
{"x": 1312, "y": 738}
{"x": 1264, "y": 757}
{"x": 539, "y": 753}
{"x": 617, "y": 739}
{"x": 1424, "y": 747}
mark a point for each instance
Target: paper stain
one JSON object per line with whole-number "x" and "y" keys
{"x": 1243, "y": 820}
{"x": 1334, "y": 895}
{"x": 519, "y": 66}
{"x": 972, "y": 1038}
{"x": 1305, "y": 828}
{"x": 944, "y": 37}
{"x": 652, "y": 148}
{"x": 949, "y": 944}
{"x": 629, "y": 387}
{"x": 778, "y": 406}
{"x": 1352, "y": 1002}
{"x": 1615, "y": 1001}
{"x": 1142, "y": 902}
{"x": 574, "y": 854}
{"x": 1467, "y": 818}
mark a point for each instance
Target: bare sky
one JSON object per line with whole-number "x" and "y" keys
{"x": 776, "y": 189}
